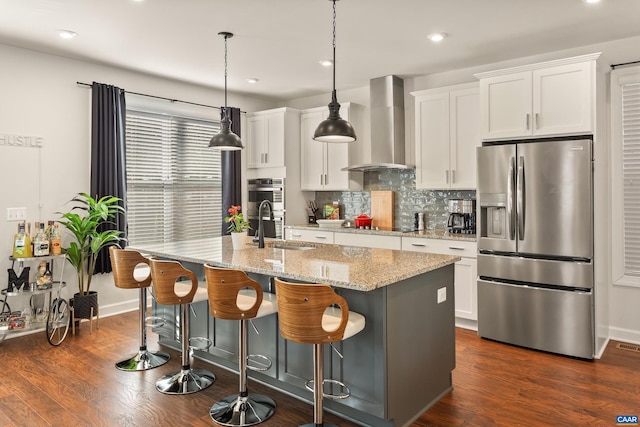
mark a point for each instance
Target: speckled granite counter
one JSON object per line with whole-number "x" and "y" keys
{"x": 427, "y": 234}
{"x": 396, "y": 368}
{"x": 361, "y": 269}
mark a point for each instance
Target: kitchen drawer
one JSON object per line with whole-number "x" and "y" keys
{"x": 368, "y": 241}
{"x": 310, "y": 235}
{"x": 440, "y": 246}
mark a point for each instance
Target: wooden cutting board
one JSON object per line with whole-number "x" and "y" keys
{"x": 382, "y": 209}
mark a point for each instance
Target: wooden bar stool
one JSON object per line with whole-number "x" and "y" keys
{"x": 131, "y": 271}
{"x": 169, "y": 290}
{"x": 307, "y": 314}
{"x": 235, "y": 296}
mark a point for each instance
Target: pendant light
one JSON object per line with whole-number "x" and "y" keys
{"x": 225, "y": 139}
{"x": 334, "y": 128}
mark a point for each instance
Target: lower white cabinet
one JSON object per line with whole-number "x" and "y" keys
{"x": 466, "y": 270}
{"x": 368, "y": 241}
{"x": 310, "y": 235}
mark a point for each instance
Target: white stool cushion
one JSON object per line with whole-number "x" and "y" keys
{"x": 247, "y": 297}
{"x": 141, "y": 272}
{"x": 183, "y": 288}
{"x": 331, "y": 320}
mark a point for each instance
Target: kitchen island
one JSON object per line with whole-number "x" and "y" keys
{"x": 396, "y": 368}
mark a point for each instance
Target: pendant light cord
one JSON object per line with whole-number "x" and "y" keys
{"x": 225, "y": 73}
{"x": 334, "y": 47}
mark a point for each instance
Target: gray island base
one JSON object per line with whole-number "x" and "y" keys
{"x": 396, "y": 368}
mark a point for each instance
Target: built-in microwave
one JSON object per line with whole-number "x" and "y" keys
{"x": 271, "y": 189}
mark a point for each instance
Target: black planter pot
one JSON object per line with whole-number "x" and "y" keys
{"x": 82, "y": 305}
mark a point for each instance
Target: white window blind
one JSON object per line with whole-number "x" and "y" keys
{"x": 631, "y": 176}
{"x": 173, "y": 178}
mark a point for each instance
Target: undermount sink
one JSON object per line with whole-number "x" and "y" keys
{"x": 289, "y": 246}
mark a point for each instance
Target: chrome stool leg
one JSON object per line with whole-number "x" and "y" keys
{"x": 144, "y": 359}
{"x": 244, "y": 408}
{"x": 187, "y": 380}
{"x": 318, "y": 392}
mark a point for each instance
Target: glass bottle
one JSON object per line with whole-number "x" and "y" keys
{"x": 55, "y": 244}
{"x": 22, "y": 243}
{"x": 41, "y": 242}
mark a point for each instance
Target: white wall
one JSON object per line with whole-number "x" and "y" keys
{"x": 40, "y": 97}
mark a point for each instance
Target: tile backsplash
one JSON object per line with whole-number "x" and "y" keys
{"x": 408, "y": 199}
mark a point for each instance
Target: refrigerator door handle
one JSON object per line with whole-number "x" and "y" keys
{"x": 520, "y": 199}
{"x": 511, "y": 178}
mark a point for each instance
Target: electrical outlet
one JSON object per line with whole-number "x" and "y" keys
{"x": 442, "y": 295}
{"x": 16, "y": 214}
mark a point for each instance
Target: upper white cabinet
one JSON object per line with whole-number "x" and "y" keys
{"x": 268, "y": 133}
{"x": 447, "y": 134}
{"x": 545, "y": 99}
{"x": 322, "y": 162}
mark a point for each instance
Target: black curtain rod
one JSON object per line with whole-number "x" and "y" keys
{"x": 613, "y": 66}
{"x": 163, "y": 98}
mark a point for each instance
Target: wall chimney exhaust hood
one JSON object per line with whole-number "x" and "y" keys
{"x": 386, "y": 147}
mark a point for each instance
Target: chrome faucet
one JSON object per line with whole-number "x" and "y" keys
{"x": 260, "y": 234}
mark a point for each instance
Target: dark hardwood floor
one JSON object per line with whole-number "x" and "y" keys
{"x": 494, "y": 384}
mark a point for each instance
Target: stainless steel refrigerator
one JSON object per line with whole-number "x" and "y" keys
{"x": 535, "y": 245}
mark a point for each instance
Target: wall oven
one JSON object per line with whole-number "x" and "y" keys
{"x": 271, "y": 189}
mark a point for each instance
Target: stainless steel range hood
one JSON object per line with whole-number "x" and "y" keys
{"x": 386, "y": 147}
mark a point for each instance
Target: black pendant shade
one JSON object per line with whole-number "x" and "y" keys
{"x": 334, "y": 128}
{"x": 225, "y": 140}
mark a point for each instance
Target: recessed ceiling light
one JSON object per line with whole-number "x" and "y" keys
{"x": 66, "y": 34}
{"x": 591, "y": 1}
{"x": 253, "y": 80}
{"x": 326, "y": 63}
{"x": 436, "y": 37}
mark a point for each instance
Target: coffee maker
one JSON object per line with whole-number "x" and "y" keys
{"x": 462, "y": 216}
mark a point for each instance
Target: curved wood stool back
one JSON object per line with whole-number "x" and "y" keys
{"x": 124, "y": 263}
{"x": 307, "y": 315}
{"x": 301, "y": 308}
{"x": 229, "y": 299}
{"x": 223, "y": 286}
{"x": 164, "y": 276}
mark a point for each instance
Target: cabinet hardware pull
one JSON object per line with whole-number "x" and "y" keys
{"x": 446, "y": 174}
{"x": 453, "y": 176}
{"x": 421, "y": 245}
{"x": 266, "y": 157}
{"x": 326, "y": 181}
{"x": 296, "y": 235}
{"x": 536, "y": 121}
{"x": 321, "y": 237}
{"x": 456, "y": 248}
{"x": 527, "y": 120}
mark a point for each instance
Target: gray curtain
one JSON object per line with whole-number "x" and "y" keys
{"x": 108, "y": 173}
{"x": 231, "y": 176}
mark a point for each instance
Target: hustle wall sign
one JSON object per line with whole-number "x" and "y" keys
{"x": 25, "y": 141}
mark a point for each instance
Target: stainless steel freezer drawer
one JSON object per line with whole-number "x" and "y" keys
{"x": 544, "y": 319}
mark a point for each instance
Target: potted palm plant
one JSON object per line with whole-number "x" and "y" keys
{"x": 84, "y": 221}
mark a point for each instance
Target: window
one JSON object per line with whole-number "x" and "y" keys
{"x": 173, "y": 178}
{"x": 625, "y": 175}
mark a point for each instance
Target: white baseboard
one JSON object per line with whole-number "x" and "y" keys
{"x": 626, "y": 335}
{"x": 466, "y": 324}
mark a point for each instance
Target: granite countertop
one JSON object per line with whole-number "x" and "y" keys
{"x": 426, "y": 234}
{"x": 361, "y": 269}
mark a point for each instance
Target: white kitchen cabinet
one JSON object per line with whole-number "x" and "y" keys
{"x": 309, "y": 235}
{"x": 268, "y": 133}
{"x": 547, "y": 99}
{"x": 368, "y": 240}
{"x": 447, "y": 134}
{"x": 465, "y": 270}
{"x": 322, "y": 162}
